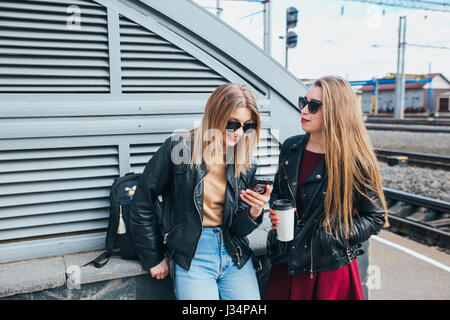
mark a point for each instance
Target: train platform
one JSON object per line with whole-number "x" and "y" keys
{"x": 403, "y": 269}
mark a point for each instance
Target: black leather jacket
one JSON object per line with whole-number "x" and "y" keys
{"x": 175, "y": 230}
{"x": 312, "y": 250}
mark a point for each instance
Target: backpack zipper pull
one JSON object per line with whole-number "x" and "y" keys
{"x": 122, "y": 228}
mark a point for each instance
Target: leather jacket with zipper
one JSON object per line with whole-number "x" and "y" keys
{"x": 312, "y": 250}
{"x": 174, "y": 231}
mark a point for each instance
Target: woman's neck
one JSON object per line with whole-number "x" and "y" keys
{"x": 316, "y": 143}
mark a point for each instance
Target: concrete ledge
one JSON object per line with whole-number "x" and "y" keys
{"x": 46, "y": 273}
{"x": 28, "y": 276}
{"x": 31, "y": 275}
{"x": 63, "y": 277}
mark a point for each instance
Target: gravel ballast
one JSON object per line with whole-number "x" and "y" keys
{"x": 426, "y": 182}
{"x": 426, "y": 142}
{"x": 421, "y": 181}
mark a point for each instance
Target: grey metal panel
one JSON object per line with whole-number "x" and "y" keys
{"x": 56, "y": 153}
{"x": 62, "y": 145}
{"x": 231, "y": 46}
{"x": 54, "y": 186}
{"x": 45, "y": 175}
{"x": 49, "y": 53}
{"x": 41, "y": 43}
{"x": 10, "y": 128}
{"x": 50, "y": 228}
{"x": 36, "y": 50}
{"x": 83, "y": 3}
{"x": 48, "y": 219}
{"x": 142, "y": 70}
{"x": 57, "y": 207}
{"x": 38, "y": 16}
{"x": 44, "y": 26}
{"x": 89, "y": 8}
{"x": 46, "y": 164}
{"x": 51, "y": 247}
{"x": 174, "y": 105}
{"x": 55, "y": 190}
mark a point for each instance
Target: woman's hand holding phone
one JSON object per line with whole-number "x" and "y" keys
{"x": 256, "y": 201}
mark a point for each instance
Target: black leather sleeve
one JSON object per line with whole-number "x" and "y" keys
{"x": 277, "y": 179}
{"x": 370, "y": 218}
{"x": 144, "y": 228}
{"x": 242, "y": 224}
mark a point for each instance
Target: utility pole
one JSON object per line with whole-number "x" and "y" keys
{"x": 400, "y": 76}
{"x": 219, "y": 8}
{"x": 267, "y": 26}
{"x": 267, "y": 19}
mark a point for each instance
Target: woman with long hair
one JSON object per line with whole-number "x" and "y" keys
{"x": 199, "y": 235}
{"x": 332, "y": 176}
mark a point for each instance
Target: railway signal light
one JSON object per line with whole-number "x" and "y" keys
{"x": 290, "y": 36}
{"x": 291, "y": 17}
{"x": 291, "y": 39}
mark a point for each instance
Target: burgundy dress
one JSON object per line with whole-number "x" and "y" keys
{"x": 341, "y": 284}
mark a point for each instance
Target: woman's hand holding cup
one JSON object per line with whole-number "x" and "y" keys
{"x": 282, "y": 216}
{"x": 275, "y": 219}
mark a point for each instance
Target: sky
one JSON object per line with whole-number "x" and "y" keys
{"x": 357, "y": 41}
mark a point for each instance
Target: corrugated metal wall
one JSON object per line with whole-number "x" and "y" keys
{"x": 41, "y": 54}
{"x": 79, "y": 107}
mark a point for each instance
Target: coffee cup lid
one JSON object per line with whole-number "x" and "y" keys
{"x": 282, "y": 204}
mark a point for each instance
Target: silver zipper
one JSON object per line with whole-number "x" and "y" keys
{"x": 166, "y": 235}
{"x": 311, "y": 269}
{"x": 199, "y": 215}
{"x": 290, "y": 190}
{"x": 238, "y": 254}
{"x": 231, "y": 221}
{"x": 293, "y": 198}
{"x": 311, "y": 249}
{"x": 236, "y": 247}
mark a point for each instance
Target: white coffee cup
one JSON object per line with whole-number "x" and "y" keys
{"x": 285, "y": 211}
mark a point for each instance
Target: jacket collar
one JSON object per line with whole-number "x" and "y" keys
{"x": 202, "y": 171}
{"x": 292, "y": 160}
{"x": 292, "y": 164}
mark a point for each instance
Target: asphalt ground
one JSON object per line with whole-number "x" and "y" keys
{"x": 402, "y": 269}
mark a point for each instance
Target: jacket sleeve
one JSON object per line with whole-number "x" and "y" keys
{"x": 144, "y": 227}
{"x": 242, "y": 224}
{"x": 370, "y": 219}
{"x": 276, "y": 192}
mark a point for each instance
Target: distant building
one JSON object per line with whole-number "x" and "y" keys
{"x": 308, "y": 82}
{"x": 416, "y": 95}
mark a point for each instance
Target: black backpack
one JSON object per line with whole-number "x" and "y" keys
{"x": 118, "y": 235}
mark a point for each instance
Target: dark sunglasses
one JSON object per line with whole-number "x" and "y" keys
{"x": 313, "y": 105}
{"x": 235, "y": 125}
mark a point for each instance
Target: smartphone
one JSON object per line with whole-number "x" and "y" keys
{"x": 259, "y": 185}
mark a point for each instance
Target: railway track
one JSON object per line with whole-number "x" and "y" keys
{"x": 442, "y": 115}
{"x": 423, "y": 122}
{"x": 408, "y": 128}
{"x": 424, "y": 160}
{"x": 421, "y": 218}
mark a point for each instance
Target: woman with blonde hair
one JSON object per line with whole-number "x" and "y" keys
{"x": 332, "y": 176}
{"x": 200, "y": 234}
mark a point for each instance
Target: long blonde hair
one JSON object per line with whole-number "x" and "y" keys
{"x": 217, "y": 112}
{"x": 350, "y": 160}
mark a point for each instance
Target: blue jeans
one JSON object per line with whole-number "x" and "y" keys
{"x": 213, "y": 275}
